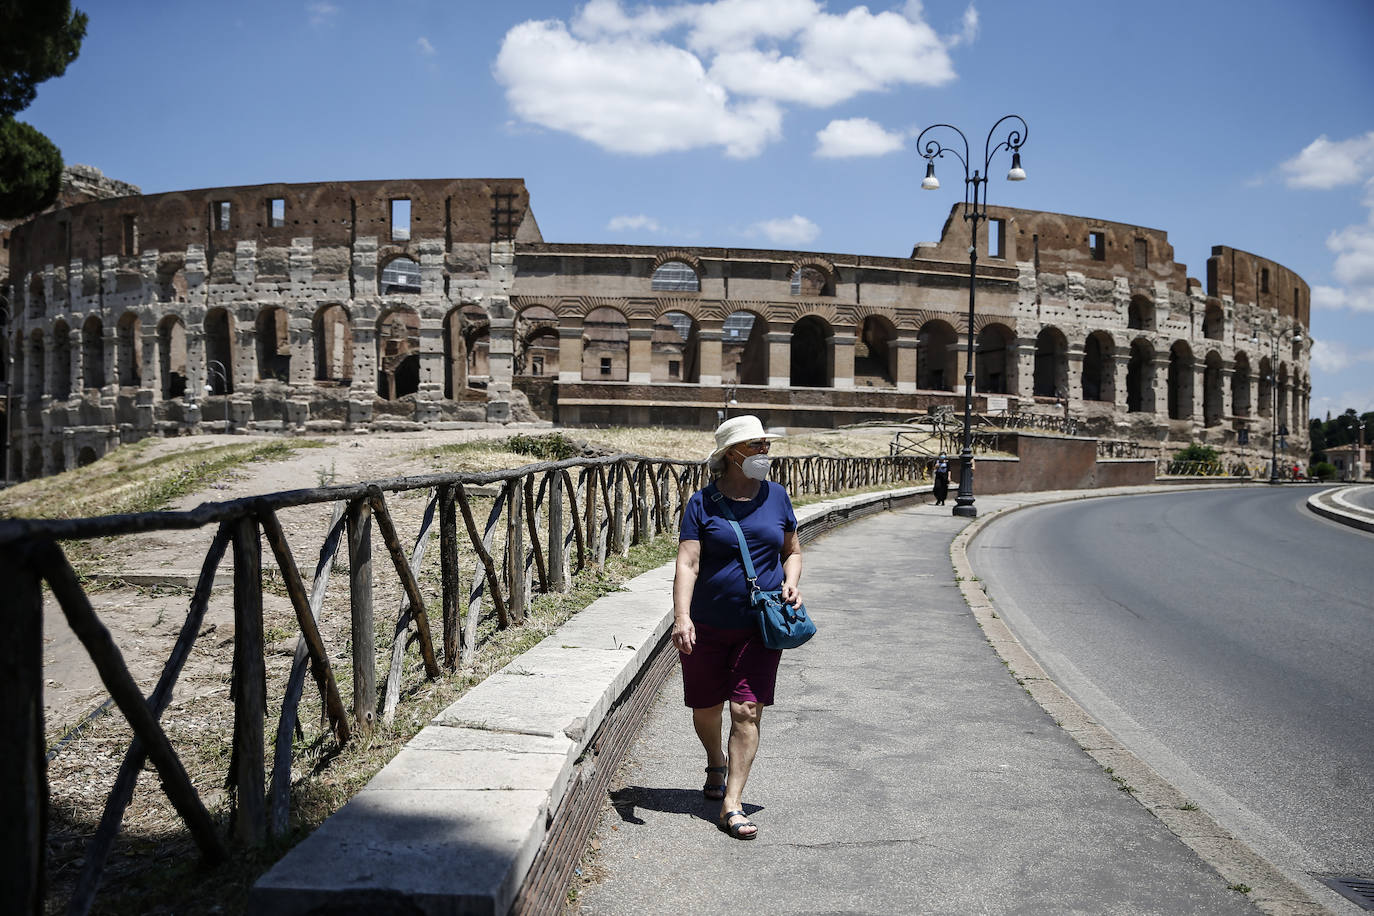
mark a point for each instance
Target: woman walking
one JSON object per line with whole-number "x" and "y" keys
{"x": 714, "y": 628}
{"x": 941, "y": 488}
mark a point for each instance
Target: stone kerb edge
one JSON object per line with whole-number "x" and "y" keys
{"x": 453, "y": 822}
{"x": 1356, "y": 519}
{"x": 1271, "y": 891}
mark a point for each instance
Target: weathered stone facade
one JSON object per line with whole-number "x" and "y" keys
{"x": 396, "y": 303}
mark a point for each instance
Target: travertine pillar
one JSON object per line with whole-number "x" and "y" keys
{"x": 780, "y": 359}
{"x": 569, "y": 349}
{"x": 709, "y": 336}
{"x": 906, "y": 345}
{"x": 1121, "y": 370}
{"x": 640, "y": 368}
{"x": 844, "y": 361}
{"x": 1025, "y": 368}
{"x": 1159, "y": 385}
{"x": 1073, "y": 374}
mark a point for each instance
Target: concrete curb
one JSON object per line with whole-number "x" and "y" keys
{"x": 1332, "y": 504}
{"x": 453, "y": 822}
{"x": 1271, "y": 891}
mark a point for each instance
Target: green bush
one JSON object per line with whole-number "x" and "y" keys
{"x": 1196, "y": 452}
{"x": 550, "y": 447}
{"x": 1196, "y": 460}
{"x": 1323, "y": 470}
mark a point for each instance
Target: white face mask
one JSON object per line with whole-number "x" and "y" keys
{"x": 755, "y": 467}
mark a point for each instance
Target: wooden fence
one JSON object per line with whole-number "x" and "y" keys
{"x": 546, "y": 523}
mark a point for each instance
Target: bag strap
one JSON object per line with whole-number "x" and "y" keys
{"x": 718, "y": 498}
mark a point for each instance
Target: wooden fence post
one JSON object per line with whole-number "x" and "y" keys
{"x": 515, "y": 550}
{"x": 618, "y": 543}
{"x": 558, "y": 554}
{"x": 364, "y": 630}
{"x": 450, "y": 574}
{"x": 249, "y": 688}
{"x": 23, "y": 772}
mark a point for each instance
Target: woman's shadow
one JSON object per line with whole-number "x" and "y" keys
{"x": 691, "y": 802}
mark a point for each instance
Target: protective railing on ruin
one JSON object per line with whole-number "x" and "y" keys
{"x": 1036, "y": 422}
{"x": 546, "y": 522}
{"x": 1176, "y": 467}
{"x": 1121, "y": 448}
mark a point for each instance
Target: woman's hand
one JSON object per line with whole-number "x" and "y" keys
{"x": 684, "y": 635}
{"x": 791, "y": 594}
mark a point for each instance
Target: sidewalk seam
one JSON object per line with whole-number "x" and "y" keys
{"x": 1233, "y": 860}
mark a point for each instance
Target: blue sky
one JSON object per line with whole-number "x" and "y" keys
{"x": 774, "y": 123}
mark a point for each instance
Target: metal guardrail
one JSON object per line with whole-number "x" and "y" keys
{"x": 542, "y": 527}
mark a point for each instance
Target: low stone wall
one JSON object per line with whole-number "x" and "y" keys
{"x": 1054, "y": 463}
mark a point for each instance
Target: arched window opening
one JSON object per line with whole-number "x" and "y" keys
{"x": 1099, "y": 383}
{"x": 1240, "y": 386}
{"x": 1213, "y": 322}
{"x": 93, "y": 353}
{"x": 36, "y": 372}
{"x": 219, "y": 351}
{"x": 1051, "y": 364}
{"x": 129, "y": 350}
{"x": 675, "y": 347}
{"x": 1140, "y": 314}
{"x": 875, "y": 357}
{"x": 994, "y": 370}
{"x": 333, "y": 333}
{"x": 810, "y": 281}
{"x": 61, "y": 362}
{"x": 1140, "y": 392}
{"x": 937, "y": 357}
{"x": 1282, "y": 406}
{"x": 744, "y": 350}
{"x": 399, "y": 276}
{"x": 675, "y": 276}
{"x": 536, "y": 336}
{"x": 398, "y": 354}
{"x": 1180, "y": 381}
{"x": 38, "y": 301}
{"x": 605, "y": 346}
{"x": 1265, "y": 407}
{"x": 1212, "y": 392}
{"x": 171, "y": 278}
{"x": 59, "y": 458}
{"x": 171, "y": 345}
{"x": 813, "y": 353}
{"x": 274, "y": 345}
{"x": 86, "y": 456}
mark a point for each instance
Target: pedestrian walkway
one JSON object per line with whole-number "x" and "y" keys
{"x": 903, "y": 770}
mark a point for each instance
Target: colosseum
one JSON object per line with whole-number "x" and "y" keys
{"x": 386, "y": 305}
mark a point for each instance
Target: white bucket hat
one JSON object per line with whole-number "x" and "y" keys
{"x": 736, "y": 430}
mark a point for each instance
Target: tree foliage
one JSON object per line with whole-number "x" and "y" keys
{"x": 1340, "y": 430}
{"x": 38, "y": 39}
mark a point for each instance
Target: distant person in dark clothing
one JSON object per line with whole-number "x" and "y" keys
{"x": 941, "y": 479}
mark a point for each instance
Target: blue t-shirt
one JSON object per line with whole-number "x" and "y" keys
{"x": 721, "y": 595}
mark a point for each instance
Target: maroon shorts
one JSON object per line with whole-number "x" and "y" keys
{"x": 729, "y": 665}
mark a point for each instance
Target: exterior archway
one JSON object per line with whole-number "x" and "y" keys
{"x": 1240, "y": 386}
{"x": 129, "y": 350}
{"x": 86, "y": 456}
{"x": 1180, "y": 381}
{"x": 812, "y": 353}
{"x": 675, "y": 349}
{"x": 536, "y": 342}
{"x": 398, "y": 353}
{"x": 1140, "y": 314}
{"x": 744, "y": 349}
{"x": 1051, "y": 364}
{"x": 937, "y": 362}
{"x": 875, "y": 357}
{"x": 274, "y": 344}
{"x": 36, "y": 373}
{"x": 606, "y": 345}
{"x": 333, "y": 339}
{"x": 1282, "y": 402}
{"x": 399, "y": 276}
{"x": 219, "y": 348}
{"x": 1140, "y": 389}
{"x": 1099, "y": 376}
{"x": 994, "y": 370}
{"x": 1212, "y": 393}
{"x": 171, "y": 347}
{"x": 93, "y": 353}
{"x": 675, "y": 276}
{"x": 61, "y": 361}
{"x": 1265, "y": 407}
{"x": 1213, "y": 322}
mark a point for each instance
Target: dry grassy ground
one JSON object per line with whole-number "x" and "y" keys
{"x": 154, "y": 868}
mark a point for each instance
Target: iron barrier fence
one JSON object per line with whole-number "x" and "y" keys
{"x": 546, "y": 522}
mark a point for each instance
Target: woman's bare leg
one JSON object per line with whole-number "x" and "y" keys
{"x": 706, "y": 721}
{"x": 744, "y": 744}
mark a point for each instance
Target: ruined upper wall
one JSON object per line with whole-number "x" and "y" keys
{"x": 334, "y": 214}
{"x": 80, "y": 183}
{"x": 1246, "y": 277}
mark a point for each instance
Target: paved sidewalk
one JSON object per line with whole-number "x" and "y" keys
{"x": 902, "y": 771}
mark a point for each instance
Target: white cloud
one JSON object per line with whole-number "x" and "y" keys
{"x": 970, "y": 30}
{"x": 321, "y": 12}
{"x": 647, "y": 79}
{"x": 637, "y": 223}
{"x": 855, "y": 137}
{"x": 1354, "y": 267}
{"x": 1324, "y": 165}
{"x": 425, "y": 47}
{"x": 794, "y": 230}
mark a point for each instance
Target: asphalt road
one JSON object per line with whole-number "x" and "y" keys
{"x": 1225, "y": 636}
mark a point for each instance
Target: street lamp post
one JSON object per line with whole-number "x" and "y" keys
{"x": 975, "y": 211}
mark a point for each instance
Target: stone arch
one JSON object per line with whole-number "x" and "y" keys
{"x": 605, "y": 345}
{"x": 398, "y": 275}
{"x": 36, "y": 377}
{"x": 875, "y": 353}
{"x": 744, "y": 348}
{"x": 1099, "y": 368}
{"x": 38, "y": 300}
{"x": 1265, "y": 407}
{"x": 477, "y": 339}
{"x": 937, "y": 362}
{"x": 219, "y": 351}
{"x": 398, "y": 353}
{"x": 1240, "y": 386}
{"x": 171, "y": 346}
{"x": 1140, "y": 388}
{"x": 1282, "y": 390}
{"x": 812, "y": 277}
{"x": 1213, "y": 322}
{"x": 86, "y": 456}
{"x": 274, "y": 344}
{"x": 93, "y": 353}
{"x": 1051, "y": 378}
{"x": 171, "y": 277}
{"x": 1140, "y": 314}
{"x": 678, "y": 273}
{"x": 129, "y": 350}
{"x": 332, "y": 332}
{"x": 995, "y": 365}
{"x": 1180, "y": 381}
{"x": 59, "y": 458}
{"x": 456, "y": 354}
{"x": 536, "y": 341}
{"x": 675, "y": 348}
{"x": 812, "y": 353}
{"x": 61, "y": 361}
{"x": 1212, "y": 391}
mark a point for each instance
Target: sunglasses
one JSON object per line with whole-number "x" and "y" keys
{"x": 758, "y": 445}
